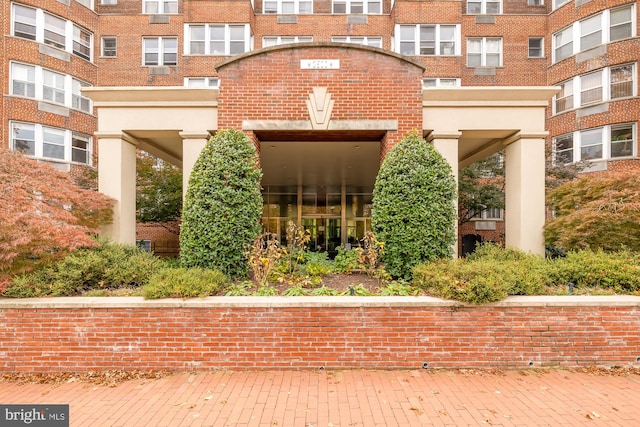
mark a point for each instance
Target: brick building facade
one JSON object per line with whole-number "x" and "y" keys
{"x": 590, "y": 49}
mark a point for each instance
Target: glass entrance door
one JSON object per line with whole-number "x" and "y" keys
{"x": 325, "y": 233}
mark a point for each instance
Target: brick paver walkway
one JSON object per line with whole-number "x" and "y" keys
{"x": 348, "y": 399}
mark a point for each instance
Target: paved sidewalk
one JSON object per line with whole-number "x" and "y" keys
{"x": 348, "y": 399}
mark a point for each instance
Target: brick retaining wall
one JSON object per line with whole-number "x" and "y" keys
{"x": 65, "y": 334}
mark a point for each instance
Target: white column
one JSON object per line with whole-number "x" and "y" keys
{"x": 117, "y": 179}
{"x": 524, "y": 193}
{"x": 446, "y": 143}
{"x": 192, "y": 145}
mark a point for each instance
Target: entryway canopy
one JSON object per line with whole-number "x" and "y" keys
{"x": 465, "y": 124}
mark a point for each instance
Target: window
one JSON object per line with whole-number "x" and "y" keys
{"x": 108, "y": 2}
{"x": 558, "y": 3}
{"x": 434, "y": 39}
{"x": 428, "y": 82}
{"x": 489, "y": 7}
{"x": 86, "y": 3}
{"x": 43, "y": 27}
{"x": 279, "y": 40}
{"x": 536, "y": 47}
{"x": 563, "y": 42}
{"x": 607, "y": 142}
{"x": 288, "y": 7}
{"x": 621, "y": 23}
{"x": 563, "y": 149}
{"x": 54, "y": 31}
{"x": 484, "y": 52}
{"x": 23, "y": 80}
{"x": 591, "y": 32}
{"x": 159, "y": 6}
{"x": 24, "y": 22}
{"x": 78, "y": 100}
{"x": 535, "y": 2}
{"x": 621, "y": 80}
{"x": 366, "y": 41}
{"x": 217, "y": 39}
{"x": 357, "y": 6}
{"x": 48, "y": 142}
{"x": 491, "y": 214}
{"x": 108, "y": 46}
{"x": 607, "y": 26}
{"x": 162, "y": 51}
{"x": 606, "y": 84}
{"x": 212, "y": 82}
{"x": 53, "y": 87}
{"x": 39, "y": 83}
{"x": 564, "y": 99}
{"x": 591, "y": 88}
{"x": 81, "y": 43}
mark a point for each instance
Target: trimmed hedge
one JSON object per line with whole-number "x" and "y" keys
{"x": 184, "y": 283}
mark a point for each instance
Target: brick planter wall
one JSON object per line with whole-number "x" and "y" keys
{"x": 78, "y": 334}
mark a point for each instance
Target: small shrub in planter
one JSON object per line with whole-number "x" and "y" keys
{"x": 184, "y": 283}
{"x": 346, "y": 260}
{"x": 107, "y": 266}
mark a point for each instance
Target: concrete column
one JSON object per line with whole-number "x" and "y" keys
{"x": 446, "y": 143}
{"x": 524, "y": 192}
{"x": 117, "y": 179}
{"x": 192, "y": 145}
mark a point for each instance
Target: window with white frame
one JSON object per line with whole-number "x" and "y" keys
{"x": 428, "y": 82}
{"x": 288, "y": 7}
{"x": 591, "y": 88}
{"x": 35, "y": 82}
{"x": 108, "y": 46}
{"x": 46, "y": 142}
{"x": 211, "y": 82}
{"x": 606, "y": 142}
{"x": 86, "y": 3}
{"x": 488, "y": 7}
{"x": 621, "y": 81}
{"x": 217, "y": 39}
{"x": 108, "y": 2}
{"x": 432, "y": 39}
{"x": 490, "y": 214}
{"x": 536, "y": 47}
{"x": 81, "y": 43}
{"x": 36, "y": 24}
{"x": 280, "y": 40}
{"x": 54, "y": 31}
{"x": 607, "y": 26}
{"x": 558, "y": 3}
{"x": 159, "y": 6}
{"x": 564, "y": 98}
{"x": 372, "y": 7}
{"x": 606, "y": 84}
{"x": 484, "y": 52}
{"x": 621, "y": 23}
{"x": 160, "y": 51}
{"x": 365, "y": 40}
{"x": 563, "y": 44}
{"x": 535, "y": 2}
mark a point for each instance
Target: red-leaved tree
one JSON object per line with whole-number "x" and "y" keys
{"x": 596, "y": 212}
{"x": 43, "y": 214}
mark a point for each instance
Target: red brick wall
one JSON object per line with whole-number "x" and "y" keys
{"x": 368, "y": 86}
{"x": 376, "y": 335}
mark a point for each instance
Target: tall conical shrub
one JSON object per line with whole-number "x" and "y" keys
{"x": 223, "y": 205}
{"x": 413, "y": 206}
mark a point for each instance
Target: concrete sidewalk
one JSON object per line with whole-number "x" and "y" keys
{"x": 348, "y": 399}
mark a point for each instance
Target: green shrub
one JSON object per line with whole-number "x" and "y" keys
{"x": 296, "y": 291}
{"x": 619, "y": 271}
{"x": 488, "y": 276}
{"x": 324, "y": 291}
{"x": 399, "y": 288}
{"x": 184, "y": 283}
{"x": 107, "y": 266}
{"x": 316, "y": 264}
{"x": 346, "y": 260}
{"x": 266, "y": 291}
{"x": 239, "y": 289}
{"x": 413, "y": 206}
{"x": 223, "y": 205}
